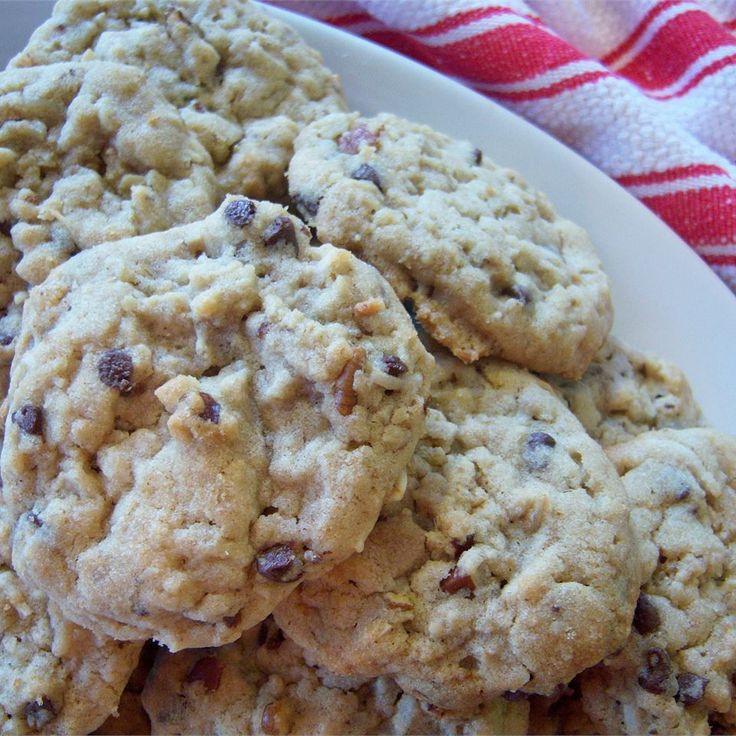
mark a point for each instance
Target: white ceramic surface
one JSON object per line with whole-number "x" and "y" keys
{"x": 666, "y": 300}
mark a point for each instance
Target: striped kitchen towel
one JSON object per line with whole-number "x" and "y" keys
{"x": 644, "y": 89}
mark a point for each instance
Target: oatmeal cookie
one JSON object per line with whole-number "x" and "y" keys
{"x": 244, "y": 82}
{"x": 508, "y": 567}
{"x": 200, "y": 418}
{"x": 676, "y": 673}
{"x": 262, "y": 684}
{"x": 91, "y": 152}
{"x": 625, "y": 392}
{"x": 490, "y": 267}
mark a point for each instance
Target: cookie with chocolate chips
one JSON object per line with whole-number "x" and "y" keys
{"x": 491, "y": 268}
{"x": 262, "y": 684}
{"x": 508, "y": 567}
{"x": 55, "y": 677}
{"x": 244, "y": 82}
{"x": 625, "y": 392}
{"x": 200, "y": 418}
{"x": 676, "y": 673}
{"x": 92, "y": 152}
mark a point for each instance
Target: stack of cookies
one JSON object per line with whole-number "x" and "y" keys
{"x": 313, "y": 422}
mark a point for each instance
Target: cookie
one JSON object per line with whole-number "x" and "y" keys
{"x": 509, "y": 566}
{"x": 625, "y": 392}
{"x": 263, "y": 684}
{"x": 675, "y": 674}
{"x": 489, "y": 266}
{"x": 55, "y": 677}
{"x": 245, "y": 82}
{"x": 91, "y": 152}
{"x": 201, "y": 418}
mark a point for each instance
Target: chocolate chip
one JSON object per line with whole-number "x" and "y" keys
{"x": 394, "y": 366}
{"x": 211, "y": 411}
{"x": 365, "y": 172}
{"x": 306, "y": 206}
{"x": 282, "y": 228}
{"x": 29, "y": 419}
{"x": 461, "y": 547}
{"x": 690, "y": 687}
{"x": 39, "y": 713}
{"x": 240, "y": 212}
{"x": 206, "y": 670}
{"x": 352, "y": 140}
{"x": 646, "y": 615}
{"x": 477, "y": 156}
{"x": 537, "y": 449}
{"x": 279, "y": 563}
{"x": 6, "y": 339}
{"x": 4, "y": 228}
{"x": 517, "y": 292}
{"x": 35, "y": 519}
{"x": 657, "y": 670}
{"x": 115, "y": 369}
{"x": 455, "y": 580}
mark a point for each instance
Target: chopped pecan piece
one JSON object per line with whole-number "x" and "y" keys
{"x": 456, "y": 580}
{"x": 208, "y": 671}
{"x": 353, "y": 140}
{"x": 345, "y": 395}
{"x": 211, "y": 411}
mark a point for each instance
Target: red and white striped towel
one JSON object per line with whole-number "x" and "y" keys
{"x": 644, "y": 89}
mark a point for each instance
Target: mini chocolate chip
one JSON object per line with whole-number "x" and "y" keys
{"x": 282, "y": 228}
{"x": 240, "y": 212}
{"x": 29, "y": 419}
{"x": 279, "y": 563}
{"x": 352, "y": 140}
{"x": 537, "y": 449}
{"x": 653, "y": 677}
{"x": 646, "y": 615}
{"x": 211, "y": 411}
{"x": 232, "y": 621}
{"x": 365, "y": 172}
{"x": 115, "y": 369}
{"x": 35, "y": 519}
{"x": 6, "y": 339}
{"x": 394, "y": 366}
{"x": 690, "y": 687}
{"x": 206, "y": 670}
{"x": 461, "y": 547}
{"x": 39, "y": 713}
{"x": 455, "y": 580}
{"x": 517, "y": 292}
{"x": 306, "y": 206}
{"x": 477, "y": 156}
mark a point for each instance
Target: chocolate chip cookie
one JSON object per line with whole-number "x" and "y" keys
{"x": 509, "y": 567}
{"x": 625, "y": 392}
{"x": 244, "y": 82}
{"x": 676, "y": 672}
{"x": 262, "y": 684}
{"x": 91, "y": 152}
{"x": 490, "y": 267}
{"x": 201, "y": 418}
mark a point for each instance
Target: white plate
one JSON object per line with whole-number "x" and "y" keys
{"x": 667, "y": 300}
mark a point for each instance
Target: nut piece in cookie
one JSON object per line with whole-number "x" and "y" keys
{"x": 676, "y": 672}
{"x": 507, "y": 568}
{"x": 202, "y": 418}
{"x": 490, "y": 267}
{"x": 265, "y": 685}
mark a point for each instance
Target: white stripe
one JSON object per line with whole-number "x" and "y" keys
{"x": 661, "y": 20}
{"x": 545, "y": 79}
{"x": 728, "y": 249}
{"x": 694, "y": 69}
{"x": 476, "y": 27}
{"x": 710, "y": 181}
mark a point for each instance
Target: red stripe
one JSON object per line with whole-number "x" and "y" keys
{"x": 634, "y": 36}
{"x": 717, "y": 259}
{"x": 349, "y": 19}
{"x": 674, "y": 48}
{"x": 707, "y": 71}
{"x": 464, "y": 18}
{"x": 730, "y": 24}
{"x": 698, "y": 215}
{"x": 678, "y": 172}
{"x": 565, "y": 85}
